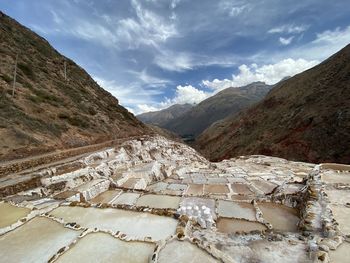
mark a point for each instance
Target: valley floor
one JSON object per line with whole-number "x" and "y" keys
{"x": 155, "y": 200}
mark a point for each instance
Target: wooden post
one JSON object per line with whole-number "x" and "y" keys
{"x": 65, "y": 70}
{"x": 14, "y": 77}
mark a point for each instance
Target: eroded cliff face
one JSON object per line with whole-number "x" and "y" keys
{"x": 155, "y": 200}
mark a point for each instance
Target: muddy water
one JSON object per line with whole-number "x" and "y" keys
{"x": 236, "y": 210}
{"x": 216, "y": 189}
{"x": 10, "y": 214}
{"x": 35, "y": 241}
{"x": 183, "y": 251}
{"x": 195, "y": 189}
{"x": 281, "y": 217}
{"x": 134, "y": 224}
{"x": 159, "y": 201}
{"x": 106, "y": 197}
{"x": 102, "y": 247}
{"x": 230, "y": 226}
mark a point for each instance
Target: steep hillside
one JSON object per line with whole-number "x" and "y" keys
{"x": 49, "y": 111}
{"x": 165, "y": 133}
{"x": 162, "y": 117}
{"x": 306, "y": 118}
{"x": 227, "y": 102}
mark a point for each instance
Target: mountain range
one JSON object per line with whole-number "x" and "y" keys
{"x": 191, "y": 121}
{"x": 162, "y": 117}
{"x": 304, "y": 118}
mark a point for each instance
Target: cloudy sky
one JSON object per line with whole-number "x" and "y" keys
{"x": 151, "y": 54}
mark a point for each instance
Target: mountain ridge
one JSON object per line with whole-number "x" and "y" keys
{"x": 49, "y": 111}
{"x": 162, "y": 117}
{"x": 305, "y": 118}
{"x": 226, "y": 102}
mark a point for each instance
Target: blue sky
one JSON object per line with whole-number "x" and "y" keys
{"x": 151, "y": 54}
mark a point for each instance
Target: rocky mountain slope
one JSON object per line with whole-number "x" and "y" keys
{"x": 162, "y": 117}
{"x": 227, "y": 102}
{"x": 49, "y": 111}
{"x": 306, "y": 117}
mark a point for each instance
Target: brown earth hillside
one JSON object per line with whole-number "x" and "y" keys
{"x": 50, "y": 111}
{"x": 306, "y": 118}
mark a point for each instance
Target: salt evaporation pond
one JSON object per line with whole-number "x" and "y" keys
{"x": 106, "y": 196}
{"x": 281, "y": 217}
{"x": 134, "y": 224}
{"x": 36, "y": 241}
{"x": 230, "y": 226}
{"x": 10, "y": 214}
{"x": 126, "y": 199}
{"x": 183, "y": 251}
{"x": 102, "y": 247}
{"x": 236, "y": 210}
{"x": 159, "y": 201}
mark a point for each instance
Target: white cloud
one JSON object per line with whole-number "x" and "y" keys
{"x": 269, "y": 74}
{"x": 148, "y": 29}
{"x": 324, "y": 45}
{"x": 146, "y": 108}
{"x": 182, "y": 61}
{"x": 150, "y": 80}
{"x": 333, "y": 37}
{"x": 233, "y": 8}
{"x": 56, "y": 18}
{"x": 286, "y": 41}
{"x": 290, "y": 29}
{"x": 130, "y": 96}
{"x": 173, "y": 61}
{"x": 186, "y": 94}
{"x": 183, "y": 94}
{"x": 95, "y": 32}
{"x": 174, "y": 3}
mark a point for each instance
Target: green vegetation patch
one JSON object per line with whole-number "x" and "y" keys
{"x": 27, "y": 70}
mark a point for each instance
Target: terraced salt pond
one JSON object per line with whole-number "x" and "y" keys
{"x": 236, "y": 210}
{"x": 106, "y": 197}
{"x": 134, "y": 224}
{"x": 281, "y": 217}
{"x": 102, "y": 247}
{"x": 183, "y": 251}
{"x": 35, "y": 241}
{"x": 342, "y": 215}
{"x": 342, "y": 254}
{"x": 159, "y": 201}
{"x": 336, "y": 178}
{"x": 217, "y": 217}
{"x": 126, "y": 199}
{"x": 10, "y": 214}
{"x": 241, "y": 189}
{"x": 195, "y": 189}
{"x": 230, "y": 226}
